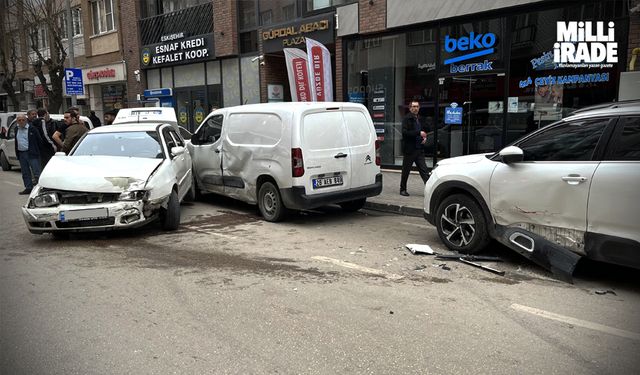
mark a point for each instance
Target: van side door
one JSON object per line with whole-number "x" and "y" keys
{"x": 206, "y": 156}
{"x": 362, "y": 148}
{"x": 325, "y": 151}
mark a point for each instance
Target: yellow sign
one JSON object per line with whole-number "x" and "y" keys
{"x": 295, "y": 31}
{"x": 183, "y": 117}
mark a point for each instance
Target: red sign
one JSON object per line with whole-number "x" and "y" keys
{"x": 318, "y": 72}
{"x": 38, "y": 92}
{"x": 301, "y": 79}
{"x": 105, "y": 73}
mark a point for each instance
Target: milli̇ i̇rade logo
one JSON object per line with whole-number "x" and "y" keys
{"x": 146, "y": 56}
{"x": 585, "y": 44}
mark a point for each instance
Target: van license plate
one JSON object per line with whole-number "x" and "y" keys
{"x": 90, "y": 214}
{"x": 327, "y": 181}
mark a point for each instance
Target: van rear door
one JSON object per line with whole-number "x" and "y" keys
{"x": 325, "y": 151}
{"x": 362, "y": 147}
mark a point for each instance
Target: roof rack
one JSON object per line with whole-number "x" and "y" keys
{"x": 612, "y": 105}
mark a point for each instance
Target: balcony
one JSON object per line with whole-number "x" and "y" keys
{"x": 191, "y": 21}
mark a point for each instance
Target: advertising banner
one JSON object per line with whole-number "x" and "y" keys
{"x": 319, "y": 61}
{"x": 296, "y": 60}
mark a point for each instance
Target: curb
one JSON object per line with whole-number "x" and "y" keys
{"x": 394, "y": 209}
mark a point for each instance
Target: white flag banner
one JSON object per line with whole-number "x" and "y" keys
{"x": 296, "y": 60}
{"x": 319, "y": 60}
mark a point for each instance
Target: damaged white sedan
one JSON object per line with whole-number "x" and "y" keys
{"x": 116, "y": 177}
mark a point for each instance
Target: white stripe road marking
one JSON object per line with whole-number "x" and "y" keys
{"x": 372, "y": 271}
{"x": 12, "y": 183}
{"x": 577, "y": 322}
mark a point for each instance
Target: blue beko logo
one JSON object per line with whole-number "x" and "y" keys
{"x": 476, "y": 44}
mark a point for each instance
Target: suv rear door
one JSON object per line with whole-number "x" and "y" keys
{"x": 326, "y": 153}
{"x": 613, "y": 224}
{"x": 547, "y": 192}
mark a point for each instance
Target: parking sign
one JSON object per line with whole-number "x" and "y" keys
{"x": 73, "y": 81}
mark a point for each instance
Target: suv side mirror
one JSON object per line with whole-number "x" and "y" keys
{"x": 511, "y": 154}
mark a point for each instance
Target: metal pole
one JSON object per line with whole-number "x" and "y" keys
{"x": 72, "y": 63}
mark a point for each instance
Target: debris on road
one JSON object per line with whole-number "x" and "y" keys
{"x": 420, "y": 249}
{"x": 443, "y": 266}
{"x": 420, "y": 267}
{"x": 608, "y": 291}
{"x": 472, "y": 259}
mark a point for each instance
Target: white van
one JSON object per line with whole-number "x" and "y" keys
{"x": 288, "y": 156}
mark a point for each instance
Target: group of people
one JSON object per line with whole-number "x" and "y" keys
{"x": 39, "y": 137}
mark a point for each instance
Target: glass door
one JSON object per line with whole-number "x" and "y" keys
{"x": 191, "y": 107}
{"x": 481, "y": 98}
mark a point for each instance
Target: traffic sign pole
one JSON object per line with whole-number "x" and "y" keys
{"x": 72, "y": 63}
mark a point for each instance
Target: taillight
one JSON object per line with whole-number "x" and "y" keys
{"x": 378, "y": 162}
{"x": 297, "y": 163}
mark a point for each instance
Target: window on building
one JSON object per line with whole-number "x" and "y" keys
{"x": 321, "y": 4}
{"x": 247, "y": 14}
{"x": 102, "y": 15}
{"x": 266, "y": 17}
{"x": 76, "y": 15}
{"x": 39, "y": 37}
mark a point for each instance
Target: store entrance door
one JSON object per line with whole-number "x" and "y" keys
{"x": 191, "y": 106}
{"x": 481, "y": 98}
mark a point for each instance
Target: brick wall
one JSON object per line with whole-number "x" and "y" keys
{"x": 130, "y": 38}
{"x": 225, "y": 30}
{"x": 634, "y": 34}
{"x": 372, "y": 15}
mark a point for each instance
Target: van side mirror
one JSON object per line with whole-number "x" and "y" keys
{"x": 511, "y": 154}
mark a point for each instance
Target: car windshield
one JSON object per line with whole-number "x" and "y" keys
{"x": 126, "y": 144}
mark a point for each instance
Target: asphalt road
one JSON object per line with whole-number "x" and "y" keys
{"x": 322, "y": 293}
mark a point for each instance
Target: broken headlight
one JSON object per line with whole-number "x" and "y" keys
{"x": 135, "y": 195}
{"x": 47, "y": 199}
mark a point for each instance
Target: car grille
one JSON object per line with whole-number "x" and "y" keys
{"x": 78, "y": 197}
{"x": 86, "y": 223}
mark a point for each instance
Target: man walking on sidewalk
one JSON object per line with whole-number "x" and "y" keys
{"x": 414, "y": 136}
{"x": 27, "y": 146}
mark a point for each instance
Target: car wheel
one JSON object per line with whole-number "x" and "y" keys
{"x": 354, "y": 205}
{"x": 270, "y": 203}
{"x": 171, "y": 215}
{"x": 4, "y": 163}
{"x": 461, "y": 224}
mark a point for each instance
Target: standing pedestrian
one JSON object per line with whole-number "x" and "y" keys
{"x": 32, "y": 114}
{"x": 414, "y": 137}
{"x": 27, "y": 147}
{"x": 110, "y": 116}
{"x": 95, "y": 119}
{"x": 47, "y": 128}
{"x": 75, "y": 131}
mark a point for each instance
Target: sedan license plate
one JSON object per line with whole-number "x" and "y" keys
{"x": 88, "y": 214}
{"x": 327, "y": 181}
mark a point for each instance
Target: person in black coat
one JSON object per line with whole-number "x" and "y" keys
{"x": 27, "y": 145}
{"x": 95, "y": 119}
{"x": 414, "y": 136}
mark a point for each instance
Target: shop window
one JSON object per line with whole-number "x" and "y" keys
{"x": 458, "y": 53}
{"x": 537, "y": 97}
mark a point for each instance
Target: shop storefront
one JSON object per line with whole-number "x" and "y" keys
{"x": 106, "y": 85}
{"x": 484, "y": 81}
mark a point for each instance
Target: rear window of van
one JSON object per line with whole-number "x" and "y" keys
{"x": 358, "y": 128}
{"x": 263, "y": 129}
{"x": 323, "y": 131}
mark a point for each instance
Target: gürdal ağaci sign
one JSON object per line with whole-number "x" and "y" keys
{"x": 319, "y": 28}
{"x": 183, "y": 51}
{"x": 472, "y": 46}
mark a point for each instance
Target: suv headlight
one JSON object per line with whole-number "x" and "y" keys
{"x": 135, "y": 195}
{"x": 46, "y": 200}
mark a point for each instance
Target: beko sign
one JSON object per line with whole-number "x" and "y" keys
{"x": 474, "y": 45}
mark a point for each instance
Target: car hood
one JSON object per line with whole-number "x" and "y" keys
{"x": 467, "y": 159}
{"x": 100, "y": 174}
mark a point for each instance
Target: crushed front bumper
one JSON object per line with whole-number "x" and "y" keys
{"x": 118, "y": 215}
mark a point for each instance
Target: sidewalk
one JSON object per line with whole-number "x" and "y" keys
{"x": 390, "y": 199}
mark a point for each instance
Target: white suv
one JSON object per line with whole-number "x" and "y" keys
{"x": 568, "y": 190}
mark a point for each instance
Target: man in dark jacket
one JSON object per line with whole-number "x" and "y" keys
{"x": 94, "y": 119}
{"x": 414, "y": 136}
{"x": 27, "y": 146}
{"x": 47, "y": 128}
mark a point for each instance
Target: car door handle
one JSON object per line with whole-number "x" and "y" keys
{"x": 340, "y": 155}
{"x": 574, "y": 179}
